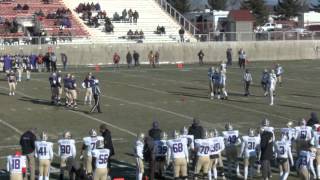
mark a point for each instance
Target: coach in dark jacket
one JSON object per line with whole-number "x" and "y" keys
{"x": 106, "y": 134}
{"x": 196, "y": 129}
{"x": 266, "y": 153}
{"x": 155, "y": 131}
{"x": 27, "y": 142}
{"x": 313, "y": 119}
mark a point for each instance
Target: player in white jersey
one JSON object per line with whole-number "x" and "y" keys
{"x": 216, "y": 146}
{"x": 89, "y": 144}
{"x": 290, "y": 132}
{"x": 232, "y": 140}
{"x": 272, "y": 86}
{"x": 100, "y": 157}
{"x": 179, "y": 155}
{"x": 16, "y": 166}
{"x": 265, "y": 126}
{"x": 66, "y": 149}
{"x": 202, "y": 149}
{"x": 160, "y": 150}
{"x": 303, "y": 164}
{"x": 283, "y": 155}
{"x": 189, "y": 137}
{"x": 303, "y": 136}
{"x": 315, "y": 142}
{"x": 138, "y": 153}
{"x": 279, "y": 71}
{"x": 44, "y": 153}
{"x": 249, "y": 152}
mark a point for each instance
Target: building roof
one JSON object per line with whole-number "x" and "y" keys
{"x": 241, "y": 15}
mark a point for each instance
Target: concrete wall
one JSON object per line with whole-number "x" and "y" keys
{"x": 187, "y": 52}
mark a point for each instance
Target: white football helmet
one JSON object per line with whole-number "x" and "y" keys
{"x": 93, "y": 133}
{"x": 184, "y": 131}
{"x": 163, "y": 136}
{"x": 206, "y": 134}
{"x": 228, "y": 127}
{"x": 100, "y": 144}
{"x": 140, "y": 136}
{"x": 44, "y": 136}
{"x": 303, "y": 122}
{"x": 214, "y": 133}
{"x": 67, "y": 135}
{"x": 175, "y": 134}
{"x": 289, "y": 124}
{"x": 251, "y": 132}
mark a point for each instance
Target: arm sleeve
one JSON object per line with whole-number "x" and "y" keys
{"x": 8, "y": 164}
{"x": 59, "y": 149}
{"x": 168, "y": 153}
{"x": 51, "y": 152}
{"x": 242, "y": 148}
{"x": 74, "y": 151}
{"x": 290, "y": 155}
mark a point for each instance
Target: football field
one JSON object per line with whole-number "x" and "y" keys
{"x": 133, "y": 98}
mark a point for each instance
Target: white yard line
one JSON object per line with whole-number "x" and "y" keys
{"x": 11, "y": 127}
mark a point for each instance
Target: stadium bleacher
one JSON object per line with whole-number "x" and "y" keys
{"x": 150, "y": 16}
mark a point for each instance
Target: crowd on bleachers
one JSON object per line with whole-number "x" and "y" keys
{"x": 127, "y": 16}
{"x": 160, "y": 30}
{"x": 137, "y": 35}
{"x": 20, "y": 7}
{"x": 9, "y": 26}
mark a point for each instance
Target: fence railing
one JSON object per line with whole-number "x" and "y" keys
{"x": 178, "y": 17}
{"x": 259, "y": 36}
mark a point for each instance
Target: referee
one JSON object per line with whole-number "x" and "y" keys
{"x": 96, "y": 95}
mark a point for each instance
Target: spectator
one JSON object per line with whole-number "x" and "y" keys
{"x": 135, "y": 17}
{"x": 64, "y": 60}
{"x": 157, "y": 57}
{"x": 116, "y": 17}
{"x": 53, "y": 60}
{"x": 124, "y": 15}
{"x": 242, "y": 58}
{"x": 27, "y": 143}
{"x": 266, "y": 146}
{"x": 155, "y": 131}
{"x": 130, "y": 34}
{"x": 136, "y": 58}
{"x": 18, "y": 7}
{"x": 201, "y": 55}
{"x": 151, "y": 59}
{"x": 116, "y": 59}
{"x": 97, "y": 7}
{"x": 40, "y": 62}
{"x": 108, "y": 25}
{"x": 141, "y": 34}
{"x": 136, "y": 35}
{"x": 196, "y": 129}
{"x": 130, "y": 14}
{"x": 47, "y": 61}
{"x": 181, "y": 34}
{"x": 313, "y": 119}
{"x": 25, "y": 7}
{"x": 129, "y": 59}
{"x": 229, "y": 57}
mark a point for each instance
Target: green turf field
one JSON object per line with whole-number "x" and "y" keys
{"x": 133, "y": 98}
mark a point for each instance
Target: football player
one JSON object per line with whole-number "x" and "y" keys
{"x": 216, "y": 146}
{"x": 19, "y": 63}
{"x": 87, "y": 84}
{"x": 272, "y": 86}
{"x": 250, "y": 151}
{"x": 160, "y": 152}
{"x": 12, "y": 81}
{"x": 290, "y": 132}
{"x": 303, "y": 164}
{"x": 138, "y": 152}
{"x": 178, "y": 153}
{"x": 283, "y": 154}
{"x": 264, "y": 81}
{"x": 66, "y": 149}
{"x": 59, "y": 84}
{"x": 315, "y": 142}
{"x": 44, "y": 153}
{"x": 189, "y": 137}
{"x": 28, "y": 65}
{"x": 66, "y": 86}
{"x": 265, "y": 126}
{"x": 279, "y": 71}
{"x": 16, "y": 166}
{"x": 211, "y": 82}
{"x": 202, "y": 149}
{"x": 303, "y": 136}
{"x": 73, "y": 92}
{"x": 89, "y": 144}
{"x": 232, "y": 140}
{"x": 222, "y": 84}
{"x": 53, "y": 80}
{"x": 100, "y": 157}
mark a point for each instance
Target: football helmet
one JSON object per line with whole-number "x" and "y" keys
{"x": 289, "y": 124}
{"x": 206, "y": 134}
{"x": 303, "y": 122}
{"x": 44, "y": 136}
{"x": 140, "y": 136}
{"x": 67, "y": 135}
{"x": 184, "y": 131}
{"x": 214, "y": 133}
{"x": 265, "y": 122}
{"x": 93, "y": 133}
{"x": 251, "y": 132}
{"x": 175, "y": 134}
{"x": 163, "y": 136}
{"x": 100, "y": 144}
{"x": 228, "y": 127}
